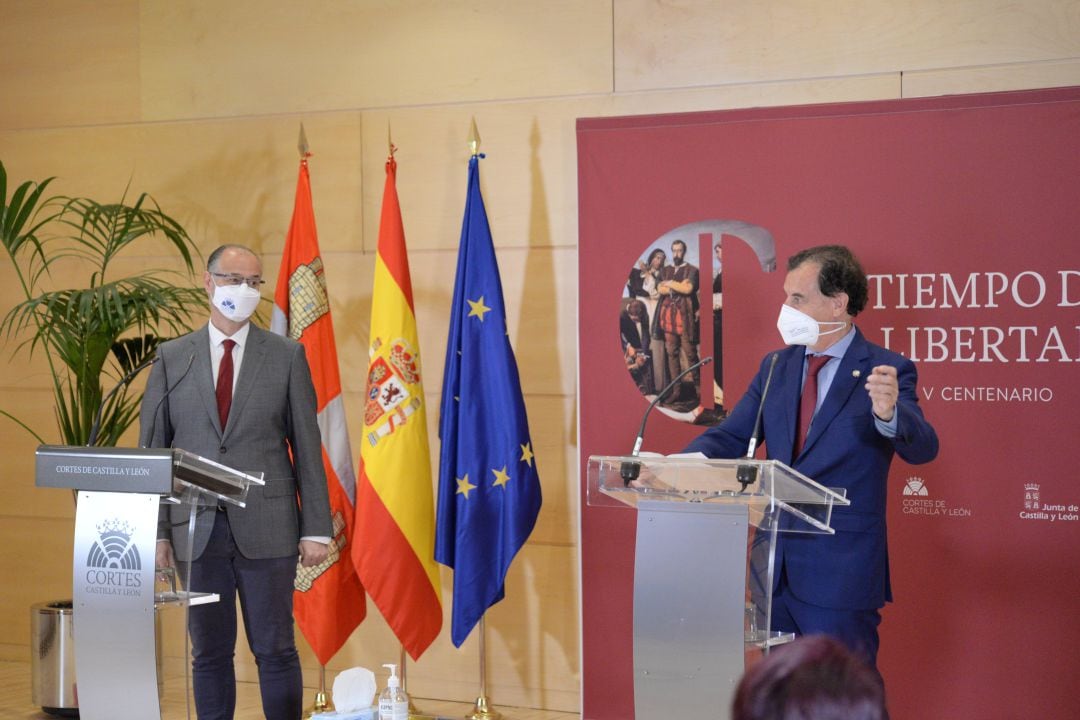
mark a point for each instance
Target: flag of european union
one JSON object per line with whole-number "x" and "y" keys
{"x": 489, "y": 491}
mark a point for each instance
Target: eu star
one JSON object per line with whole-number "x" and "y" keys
{"x": 478, "y": 308}
{"x": 464, "y": 486}
{"x": 501, "y": 477}
{"x": 527, "y": 453}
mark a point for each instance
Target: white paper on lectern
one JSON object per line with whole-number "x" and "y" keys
{"x": 689, "y": 476}
{"x": 668, "y": 476}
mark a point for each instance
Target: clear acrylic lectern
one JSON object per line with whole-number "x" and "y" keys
{"x": 114, "y": 598}
{"x": 703, "y": 569}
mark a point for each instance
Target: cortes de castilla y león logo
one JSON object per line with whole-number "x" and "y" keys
{"x": 918, "y": 501}
{"x": 113, "y": 564}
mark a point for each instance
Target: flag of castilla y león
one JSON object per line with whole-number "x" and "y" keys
{"x": 329, "y": 599}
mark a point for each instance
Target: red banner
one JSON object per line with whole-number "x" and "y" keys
{"x": 964, "y": 212}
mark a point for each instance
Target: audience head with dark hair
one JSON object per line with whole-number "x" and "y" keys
{"x": 812, "y": 678}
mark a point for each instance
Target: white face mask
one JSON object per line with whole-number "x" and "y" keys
{"x": 798, "y": 328}
{"x": 236, "y": 302}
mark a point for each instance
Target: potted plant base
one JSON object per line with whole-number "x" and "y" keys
{"x": 52, "y": 658}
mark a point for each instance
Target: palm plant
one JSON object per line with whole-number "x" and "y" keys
{"x": 80, "y": 329}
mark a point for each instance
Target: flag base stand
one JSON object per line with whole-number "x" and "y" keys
{"x": 414, "y": 713}
{"x": 322, "y": 702}
{"x": 481, "y": 711}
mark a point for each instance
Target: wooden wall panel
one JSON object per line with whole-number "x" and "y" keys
{"x": 251, "y": 57}
{"x": 225, "y": 180}
{"x": 37, "y": 564}
{"x": 69, "y": 63}
{"x": 994, "y": 78}
{"x": 695, "y": 42}
{"x": 528, "y": 177}
{"x": 18, "y": 495}
{"x": 882, "y": 86}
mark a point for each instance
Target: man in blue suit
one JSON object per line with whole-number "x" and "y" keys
{"x": 865, "y": 410}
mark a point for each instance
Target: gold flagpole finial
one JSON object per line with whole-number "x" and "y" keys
{"x": 474, "y": 139}
{"x": 302, "y": 143}
{"x": 390, "y": 141}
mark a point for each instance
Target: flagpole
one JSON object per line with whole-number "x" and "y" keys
{"x": 414, "y": 714}
{"x": 322, "y": 703}
{"x": 474, "y": 139}
{"x": 482, "y": 711}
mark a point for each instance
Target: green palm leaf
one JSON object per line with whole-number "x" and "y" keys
{"x": 122, "y": 319}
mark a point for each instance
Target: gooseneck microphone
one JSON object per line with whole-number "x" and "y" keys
{"x": 95, "y": 429}
{"x": 747, "y": 474}
{"x": 629, "y": 470}
{"x": 153, "y": 418}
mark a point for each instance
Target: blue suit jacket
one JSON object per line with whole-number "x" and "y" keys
{"x": 848, "y": 570}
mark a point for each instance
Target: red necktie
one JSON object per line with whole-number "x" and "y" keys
{"x": 224, "y": 383}
{"x": 809, "y": 399}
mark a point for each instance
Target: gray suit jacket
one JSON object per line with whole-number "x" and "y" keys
{"x": 273, "y": 411}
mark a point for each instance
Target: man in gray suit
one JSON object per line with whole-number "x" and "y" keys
{"x": 241, "y": 396}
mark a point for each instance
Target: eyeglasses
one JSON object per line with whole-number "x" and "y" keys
{"x": 233, "y": 279}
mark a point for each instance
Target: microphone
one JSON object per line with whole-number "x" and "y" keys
{"x": 747, "y": 474}
{"x": 629, "y": 470}
{"x": 168, "y": 390}
{"x": 95, "y": 428}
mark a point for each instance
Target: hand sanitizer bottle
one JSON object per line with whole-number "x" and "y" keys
{"x": 393, "y": 702}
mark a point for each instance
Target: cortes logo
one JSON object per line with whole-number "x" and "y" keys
{"x": 113, "y": 564}
{"x": 915, "y": 486}
{"x": 113, "y": 549}
{"x": 917, "y": 501}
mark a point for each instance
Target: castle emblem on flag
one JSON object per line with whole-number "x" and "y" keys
{"x": 393, "y": 376}
{"x": 307, "y": 297}
{"x": 306, "y": 576}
